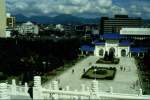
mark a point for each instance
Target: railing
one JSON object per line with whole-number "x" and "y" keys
{"x": 92, "y": 92}
{"x": 9, "y": 90}
{"x": 61, "y": 94}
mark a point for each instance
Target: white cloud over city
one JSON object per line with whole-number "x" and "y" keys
{"x": 87, "y": 8}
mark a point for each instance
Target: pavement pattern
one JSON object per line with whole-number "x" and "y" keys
{"x": 125, "y": 81}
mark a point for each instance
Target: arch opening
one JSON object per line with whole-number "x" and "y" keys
{"x": 123, "y": 53}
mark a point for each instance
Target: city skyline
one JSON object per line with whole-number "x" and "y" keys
{"x": 81, "y": 8}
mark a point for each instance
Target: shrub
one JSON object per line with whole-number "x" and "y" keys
{"x": 102, "y": 72}
{"x": 103, "y": 61}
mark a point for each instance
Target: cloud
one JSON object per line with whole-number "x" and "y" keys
{"x": 104, "y": 3}
{"x": 58, "y": 6}
{"x": 118, "y": 10}
{"x": 146, "y": 9}
{"x": 135, "y": 10}
{"x": 76, "y": 7}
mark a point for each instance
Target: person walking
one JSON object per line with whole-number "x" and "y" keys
{"x": 84, "y": 70}
{"x": 72, "y": 71}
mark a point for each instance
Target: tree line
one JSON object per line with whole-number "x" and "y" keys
{"x": 31, "y": 57}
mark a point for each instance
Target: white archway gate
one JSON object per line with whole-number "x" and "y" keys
{"x": 113, "y": 47}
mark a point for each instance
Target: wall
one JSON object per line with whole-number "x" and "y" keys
{"x": 2, "y": 18}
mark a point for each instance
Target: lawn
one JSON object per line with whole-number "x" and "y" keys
{"x": 102, "y": 61}
{"x": 100, "y": 73}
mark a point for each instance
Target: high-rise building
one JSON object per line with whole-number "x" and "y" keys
{"x": 2, "y": 18}
{"x": 111, "y": 25}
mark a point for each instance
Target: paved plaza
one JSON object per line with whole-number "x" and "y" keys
{"x": 125, "y": 81}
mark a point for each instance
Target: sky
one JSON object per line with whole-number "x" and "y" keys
{"x": 81, "y": 8}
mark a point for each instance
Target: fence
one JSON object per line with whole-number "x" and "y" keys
{"x": 7, "y": 91}
{"x": 91, "y": 92}
{"x": 53, "y": 92}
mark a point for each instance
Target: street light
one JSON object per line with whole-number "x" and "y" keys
{"x": 95, "y": 71}
{"x": 44, "y": 65}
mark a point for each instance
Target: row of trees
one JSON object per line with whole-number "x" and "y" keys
{"x": 19, "y": 56}
{"x": 145, "y": 61}
{"x": 109, "y": 57}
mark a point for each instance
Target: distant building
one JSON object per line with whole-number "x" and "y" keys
{"x": 95, "y": 32}
{"x": 11, "y": 21}
{"x": 28, "y": 27}
{"x": 59, "y": 27}
{"x": 128, "y": 42}
{"x": 2, "y": 19}
{"x": 87, "y": 30}
{"x": 112, "y": 25}
{"x": 86, "y": 27}
{"x": 69, "y": 29}
{"x": 135, "y": 33}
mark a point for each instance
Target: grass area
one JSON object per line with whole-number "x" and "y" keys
{"x": 100, "y": 73}
{"x": 102, "y": 61}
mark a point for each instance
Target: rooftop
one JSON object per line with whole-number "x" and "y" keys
{"x": 87, "y": 48}
{"x": 96, "y": 42}
{"x": 124, "y": 43}
{"x": 137, "y": 49}
{"x": 113, "y": 36}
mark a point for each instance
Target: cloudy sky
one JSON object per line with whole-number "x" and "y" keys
{"x": 82, "y": 8}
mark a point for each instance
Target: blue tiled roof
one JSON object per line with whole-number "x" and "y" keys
{"x": 111, "y": 36}
{"x": 137, "y": 50}
{"x": 99, "y": 43}
{"x": 87, "y": 48}
{"x": 124, "y": 43}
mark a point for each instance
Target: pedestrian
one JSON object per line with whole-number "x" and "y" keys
{"x": 72, "y": 70}
{"x": 133, "y": 85}
{"x": 121, "y": 68}
{"x": 124, "y": 68}
{"x": 84, "y": 70}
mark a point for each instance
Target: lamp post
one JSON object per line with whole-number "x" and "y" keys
{"x": 95, "y": 71}
{"x": 44, "y": 65}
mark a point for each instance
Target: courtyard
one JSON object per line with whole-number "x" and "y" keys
{"x": 125, "y": 80}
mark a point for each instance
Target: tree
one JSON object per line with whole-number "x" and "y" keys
{"x": 111, "y": 56}
{"x": 106, "y": 56}
{"x": 15, "y": 33}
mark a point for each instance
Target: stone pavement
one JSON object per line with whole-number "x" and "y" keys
{"x": 124, "y": 81}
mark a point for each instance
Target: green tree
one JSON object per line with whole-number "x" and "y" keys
{"x": 106, "y": 56}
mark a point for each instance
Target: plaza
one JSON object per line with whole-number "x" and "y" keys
{"x": 126, "y": 80}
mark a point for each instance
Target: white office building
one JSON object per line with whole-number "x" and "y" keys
{"x": 28, "y": 27}
{"x": 59, "y": 27}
